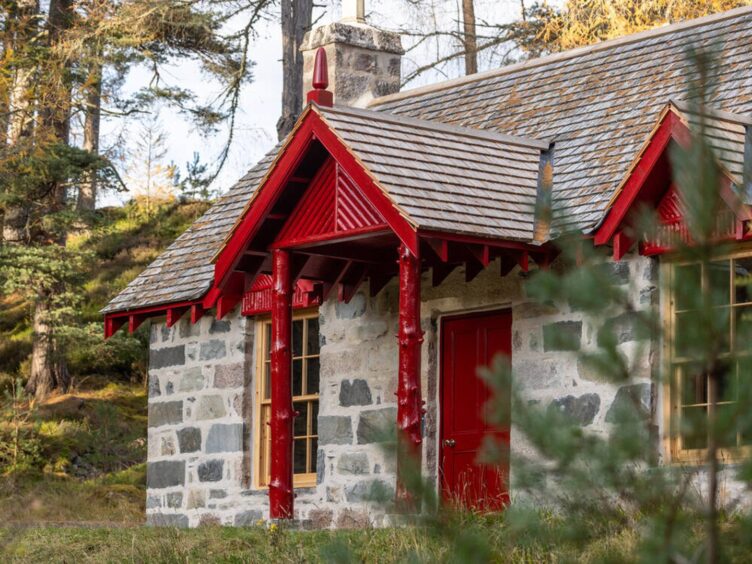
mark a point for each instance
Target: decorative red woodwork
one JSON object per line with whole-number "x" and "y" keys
{"x": 670, "y": 127}
{"x": 135, "y": 320}
{"x": 469, "y": 342}
{"x": 320, "y": 82}
{"x": 112, "y": 324}
{"x": 622, "y": 243}
{"x": 281, "y": 470}
{"x": 331, "y": 208}
{"x": 258, "y": 299}
{"x": 524, "y": 261}
{"x": 672, "y": 227}
{"x": 197, "y": 312}
{"x": 175, "y": 313}
{"x": 114, "y": 321}
{"x": 648, "y": 182}
{"x": 410, "y": 337}
{"x": 309, "y": 126}
{"x": 232, "y": 294}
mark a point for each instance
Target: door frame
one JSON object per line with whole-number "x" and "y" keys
{"x": 458, "y": 314}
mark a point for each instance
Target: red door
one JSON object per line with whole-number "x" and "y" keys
{"x": 467, "y": 343}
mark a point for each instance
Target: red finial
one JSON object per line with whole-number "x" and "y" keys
{"x": 320, "y": 81}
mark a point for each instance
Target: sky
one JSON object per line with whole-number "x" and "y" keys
{"x": 255, "y": 131}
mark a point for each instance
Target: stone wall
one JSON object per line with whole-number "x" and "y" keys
{"x": 201, "y": 396}
{"x": 198, "y": 412}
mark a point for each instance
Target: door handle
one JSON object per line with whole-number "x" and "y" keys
{"x": 449, "y": 442}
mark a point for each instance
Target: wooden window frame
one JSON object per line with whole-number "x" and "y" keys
{"x": 671, "y": 383}
{"x": 260, "y": 474}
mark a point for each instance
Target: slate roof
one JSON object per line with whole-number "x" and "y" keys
{"x": 597, "y": 103}
{"x": 726, "y": 133}
{"x": 447, "y": 178}
{"x": 184, "y": 271}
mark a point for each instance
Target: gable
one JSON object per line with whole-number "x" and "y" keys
{"x": 649, "y": 183}
{"x": 332, "y": 206}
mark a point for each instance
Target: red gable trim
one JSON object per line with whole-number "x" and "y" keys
{"x": 310, "y": 126}
{"x": 671, "y": 127}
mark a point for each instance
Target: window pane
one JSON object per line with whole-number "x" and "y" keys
{"x": 687, "y": 334}
{"x": 743, "y": 280}
{"x": 687, "y": 285}
{"x": 300, "y": 424}
{"x": 297, "y": 377}
{"x": 694, "y": 427}
{"x": 267, "y": 380}
{"x": 719, "y": 277}
{"x": 313, "y": 367}
{"x": 299, "y": 456}
{"x": 726, "y": 384}
{"x": 268, "y": 340}
{"x": 315, "y": 418}
{"x": 313, "y": 336}
{"x": 694, "y": 385}
{"x": 314, "y": 455}
{"x": 722, "y": 328}
{"x": 726, "y": 425}
{"x": 743, "y": 330}
{"x": 297, "y": 337}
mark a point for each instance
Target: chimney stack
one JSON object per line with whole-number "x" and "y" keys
{"x": 364, "y": 62}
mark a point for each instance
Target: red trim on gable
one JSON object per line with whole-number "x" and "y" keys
{"x": 651, "y": 174}
{"x": 311, "y": 126}
{"x": 671, "y": 127}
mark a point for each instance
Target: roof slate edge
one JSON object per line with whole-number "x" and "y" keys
{"x": 713, "y": 113}
{"x": 388, "y": 117}
{"x": 561, "y": 56}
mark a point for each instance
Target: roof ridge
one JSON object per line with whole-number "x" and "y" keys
{"x": 563, "y": 55}
{"x": 439, "y": 126}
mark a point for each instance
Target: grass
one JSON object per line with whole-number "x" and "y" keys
{"x": 260, "y": 544}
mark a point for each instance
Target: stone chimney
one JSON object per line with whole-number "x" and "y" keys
{"x": 364, "y": 62}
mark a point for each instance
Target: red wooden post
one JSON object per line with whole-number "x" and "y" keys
{"x": 408, "y": 388}
{"x": 280, "y": 484}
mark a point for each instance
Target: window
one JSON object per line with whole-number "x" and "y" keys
{"x": 728, "y": 282}
{"x": 305, "y": 391}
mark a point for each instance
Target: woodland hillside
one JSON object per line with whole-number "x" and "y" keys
{"x": 79, "y": 456}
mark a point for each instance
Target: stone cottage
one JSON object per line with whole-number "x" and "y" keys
{"x": 358, "y": 275}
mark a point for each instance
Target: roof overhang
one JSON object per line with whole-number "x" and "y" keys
{"x": 285, "y": 211}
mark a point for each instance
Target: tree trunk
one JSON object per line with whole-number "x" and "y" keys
{"x": 87, "y": 193}
{"x": 48, "y": 369}
{"x": 470, "y": 39}
{"x": 296, "y": 20}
